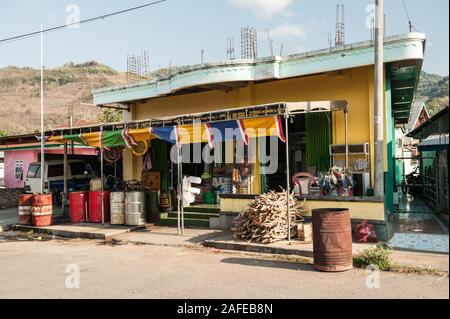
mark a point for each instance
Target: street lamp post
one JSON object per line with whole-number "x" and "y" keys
{"x": 42, "y": 112}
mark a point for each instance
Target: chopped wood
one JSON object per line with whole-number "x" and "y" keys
{"x": 266, "y": 219}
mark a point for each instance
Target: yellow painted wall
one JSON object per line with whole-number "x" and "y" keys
{"x": 353, "y": 85}
{"x": 358, "y": 210}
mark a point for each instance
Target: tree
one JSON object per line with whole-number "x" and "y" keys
{"x": 3, "y": 133}
{"x": 109, "y": 116}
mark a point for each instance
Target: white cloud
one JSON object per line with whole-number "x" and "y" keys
{"x": 265, "y": 8}
{"x": 288, "y": 30}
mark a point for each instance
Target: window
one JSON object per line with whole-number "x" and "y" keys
{"x": 19, "y": 170}
{"x": 55, "y": 170}
{"x": 77, "y": 168}
{"x": 34, "y": 171}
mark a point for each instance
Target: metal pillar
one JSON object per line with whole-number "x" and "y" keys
{"x": 101, "y": 173}
{"x": 346, "y": 138}
{"x": 288, "y": 175}
{"x": 181, "y": 190}
{"x": 180, "y": 194}
{"x": 379, "y": 100}
{"x": 66, "y": 189}
{"x": 42, "y": 113}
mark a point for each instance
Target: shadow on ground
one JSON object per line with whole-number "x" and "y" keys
{"x": 252, "y": 262}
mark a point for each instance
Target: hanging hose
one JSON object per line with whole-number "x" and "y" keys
{"x": 113, "y": 155}
{"x": 142, "y": 153}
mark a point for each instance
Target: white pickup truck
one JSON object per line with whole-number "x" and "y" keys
{"x": 77, "y": 176}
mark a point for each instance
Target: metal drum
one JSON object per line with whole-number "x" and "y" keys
{"x": 135, "y": 208}
{"x": 117, "y": 203}
{"x": 25, "y": 207}
{"x": 166, "y": 201}
{"x": 332, "y": 240}
{"x": 95, "y": 207}
{"x": 78, "y": 207}
{"x": 42, "y": 210}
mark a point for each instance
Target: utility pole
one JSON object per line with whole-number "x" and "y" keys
{"x": 42, "y": 111}
{"x": 379, "y": 99}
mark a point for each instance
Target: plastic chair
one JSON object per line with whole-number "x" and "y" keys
{"x": 309, "y": 178}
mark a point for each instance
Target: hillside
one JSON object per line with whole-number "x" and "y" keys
{"x": 65, "y": 87}
{"x": 434, "y": 90}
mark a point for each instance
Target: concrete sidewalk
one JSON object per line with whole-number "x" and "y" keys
{"x": 85, "y": 231}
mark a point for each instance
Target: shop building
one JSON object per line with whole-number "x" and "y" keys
{"x": 327, "y": 97}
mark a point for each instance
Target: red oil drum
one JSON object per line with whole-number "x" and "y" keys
{"x": 25, "y": 205}
{"x": 332, "y": 239}
{"x": 95, "y": 207}
{"x": 78, "y": 207}
{"x": 42, "y": 210}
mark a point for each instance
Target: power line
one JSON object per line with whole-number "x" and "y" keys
{"x": 411, "y": 27}
{"x": 27, "y": 35}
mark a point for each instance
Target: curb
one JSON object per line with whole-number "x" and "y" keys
{"x": 4, "y": 228}
{"x": 256, "y": 249}
{"x": 72, "y": 234}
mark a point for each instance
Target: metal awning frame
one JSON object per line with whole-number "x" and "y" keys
{"x": 279, "y": 108}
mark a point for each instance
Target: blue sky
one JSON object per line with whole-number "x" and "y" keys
{"x": 178, "y": 30}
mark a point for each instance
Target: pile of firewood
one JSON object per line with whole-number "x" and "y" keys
{"x": 266, "y": 220}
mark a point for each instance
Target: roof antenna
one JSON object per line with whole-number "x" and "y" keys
{"x": 410, "y": 25}
{"x": 270, "y": 42}
{"x": 340, "y": 25}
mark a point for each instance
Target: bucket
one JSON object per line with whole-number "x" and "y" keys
{"x": 209, "y": 198}
{"x": 42, "y": 210}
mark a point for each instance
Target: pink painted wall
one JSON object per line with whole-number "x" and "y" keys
{"x": 27, "y": 156}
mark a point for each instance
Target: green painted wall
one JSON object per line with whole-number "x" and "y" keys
{"x": 390, "y": 142}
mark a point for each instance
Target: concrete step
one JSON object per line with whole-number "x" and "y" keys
{"x": 188, "y": 222}
{"x": 203, "y": 209}
{"x": 194, "y": 215}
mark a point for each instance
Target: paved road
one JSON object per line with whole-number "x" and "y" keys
{"x": 38, "y": 270}
{"x": 9, "y": 216}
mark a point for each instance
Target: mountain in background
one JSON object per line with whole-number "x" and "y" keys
{"x": 65, "y": 88}
{"x": 433, "y": 89}
{"x": 68, "y": 86}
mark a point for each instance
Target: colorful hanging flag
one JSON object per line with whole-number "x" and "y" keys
{"x": 166, "y": 133}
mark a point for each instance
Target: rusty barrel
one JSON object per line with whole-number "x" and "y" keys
{"x": 95, "y": 207}
{"x": 42, "y": 210}
{"x": 117, "y": 208}
{"x": 332, "y": 240}
{"x": 25, "y": 207}
{"x": 78, "y": 207}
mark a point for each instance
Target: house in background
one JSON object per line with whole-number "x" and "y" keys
{"x": 433, "y": 147}
{"x": 406, "y": 146}
{"x": 20, "y": 151}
